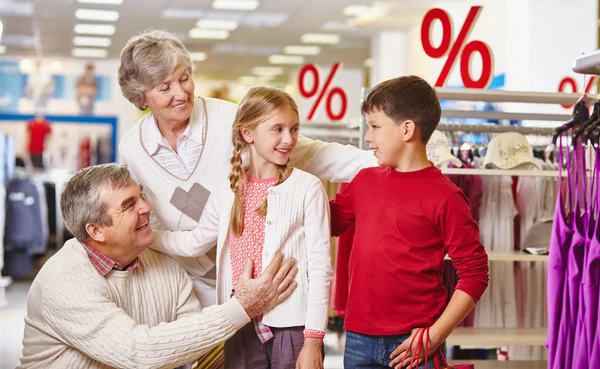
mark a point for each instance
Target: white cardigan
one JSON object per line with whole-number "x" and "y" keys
{"x": 297, "y": 223}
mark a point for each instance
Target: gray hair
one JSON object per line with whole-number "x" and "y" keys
{"x": 148, "y": 59}
{"x": 81, "y": 201}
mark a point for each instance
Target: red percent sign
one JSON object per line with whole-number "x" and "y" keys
{"x": 574, "y": 88}
{"x": 311, "y": 68}
{"x": 466, "y": 53}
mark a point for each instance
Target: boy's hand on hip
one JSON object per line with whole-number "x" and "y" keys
{"x": 311, "y": 355}
{"x": 398, "y": 354}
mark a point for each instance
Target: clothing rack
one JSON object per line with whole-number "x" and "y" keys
{"x": 587, "y": 64}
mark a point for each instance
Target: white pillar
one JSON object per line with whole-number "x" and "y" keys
{"x": 389, "y": 52}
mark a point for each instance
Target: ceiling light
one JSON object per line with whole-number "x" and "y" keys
{"x": 247, "y": 80}
{"x": 267, "y": 71}
{"x": 286, "y": 59}
{"x": 320, "y": 38}
{"x": 95, "y": 29}
{"x": 25, "y": 66}
{"x": 264, "y": 19}
{"x": 108, "y": 2}
{"x": 18, "y": 8}
{"x": 235, "y": 4}
{"x": 247, "y": 49}
{"x": 266, "y": 78}
{"x": 338, "y": 26}
{"x": 356, "y": 10}
{"x": 89, "y": 53}
{"x": 92, "y": 41}
{"x": 2, "y": 49}
{"x": 97, "y": 15}
{"x": 56, "y": 66}
{"x": 172, "y": 13}
{"x": 213, "y": 34}
{"x": 198, "y": 56}
{"x": 365, "y": 12}
{"x": 217, "y": 24}
{"x": 302, "y": 50}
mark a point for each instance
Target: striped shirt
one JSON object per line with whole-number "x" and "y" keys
{"x": 180, "y": 163}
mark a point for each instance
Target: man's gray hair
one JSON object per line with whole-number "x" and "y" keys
{"x": 81, "y": 200}
{"x": 148, "y": 59}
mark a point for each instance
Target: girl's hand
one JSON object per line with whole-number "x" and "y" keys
{"x": 399, "y": 353}
{"x": 311, "y": 355}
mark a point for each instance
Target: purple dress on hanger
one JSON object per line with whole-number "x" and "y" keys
{"x": 557, "y": 265}
{"x": 591, "y": 283}
{"x": 575, "y": 352}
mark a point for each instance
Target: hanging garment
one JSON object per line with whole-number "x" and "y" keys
{"x": 23, "y": 236}
{"x": 497, "y": 307}
{"x": 560, "y": 243}
{"x": 38, "y": 129}
{"x": 472, "y": 186}
{"x": 84, "y": 153}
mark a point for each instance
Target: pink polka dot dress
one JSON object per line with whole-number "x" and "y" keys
{"x": 250, "y": 243}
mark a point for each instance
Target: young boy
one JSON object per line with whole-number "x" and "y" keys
{"x": 407, "y": 217}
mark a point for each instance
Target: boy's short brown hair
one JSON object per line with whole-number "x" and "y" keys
{"x": 406, "y": 98}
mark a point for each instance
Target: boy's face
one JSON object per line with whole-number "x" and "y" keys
{"x": 386, "y": 138}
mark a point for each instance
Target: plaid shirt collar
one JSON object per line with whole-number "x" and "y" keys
{"x": 105, "y": 264}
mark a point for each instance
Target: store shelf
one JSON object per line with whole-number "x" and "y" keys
{"x": 497, "y": 364}
{"x": 513, "y": 256}
{"x": 497, "y": 337}
{"x": 501, "y": 172}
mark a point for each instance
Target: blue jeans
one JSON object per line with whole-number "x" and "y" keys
{"x": 363, "y": 351}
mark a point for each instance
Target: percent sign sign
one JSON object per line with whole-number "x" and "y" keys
{"x": 467, "y": 51}
{"x": 574, "y": 88}
{"x": 311, "y": 68}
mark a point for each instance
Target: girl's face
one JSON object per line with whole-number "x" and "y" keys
{"x": 272, "y": 142}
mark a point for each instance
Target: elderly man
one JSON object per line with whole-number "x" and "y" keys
{"x": 107, "y": 300}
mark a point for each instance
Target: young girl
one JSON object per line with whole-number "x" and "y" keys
{"x": 267, "y": 206}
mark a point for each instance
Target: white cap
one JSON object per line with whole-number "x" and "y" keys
{"x": 438, "y": 150}
{"x": 509, "y": 150}
{"x": 465, "y": 146}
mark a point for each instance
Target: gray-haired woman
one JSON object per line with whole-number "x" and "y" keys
{"x": 180, "y": 152}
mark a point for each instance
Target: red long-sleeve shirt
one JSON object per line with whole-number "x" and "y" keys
{"x": 405, "y": 224}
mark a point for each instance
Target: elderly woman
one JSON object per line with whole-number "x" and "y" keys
{"x": 180, "y": 152}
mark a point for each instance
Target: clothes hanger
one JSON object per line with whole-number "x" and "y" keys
{"x": 585, "y": 127}
{"x": 580, "y": 115}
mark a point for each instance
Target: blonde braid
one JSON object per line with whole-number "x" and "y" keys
{"x": 236, "y": 181}
{"x": 282, "y": 173}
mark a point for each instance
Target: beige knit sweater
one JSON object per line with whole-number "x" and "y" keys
{"x": 145, "y": 318}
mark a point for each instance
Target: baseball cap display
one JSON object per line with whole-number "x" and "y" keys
{"x": 438, "y": 151}
{"x": 509, "y": 150}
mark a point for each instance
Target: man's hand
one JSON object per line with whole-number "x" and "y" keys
{"x": 271, "y": 288}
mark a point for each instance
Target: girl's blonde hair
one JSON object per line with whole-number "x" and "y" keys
{"x": 257, "y": 106}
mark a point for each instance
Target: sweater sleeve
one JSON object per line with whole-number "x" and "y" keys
{"x": 460, "y": 235}
{"x": 343, "y": 214}
{"x": 329, "y": 160}
{"x": 195, "y": 242}
{"x": 320, "y": 273}
{"x": 82, "y": 315}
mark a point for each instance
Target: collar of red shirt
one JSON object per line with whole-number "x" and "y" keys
{"x": 104, "y": 264}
